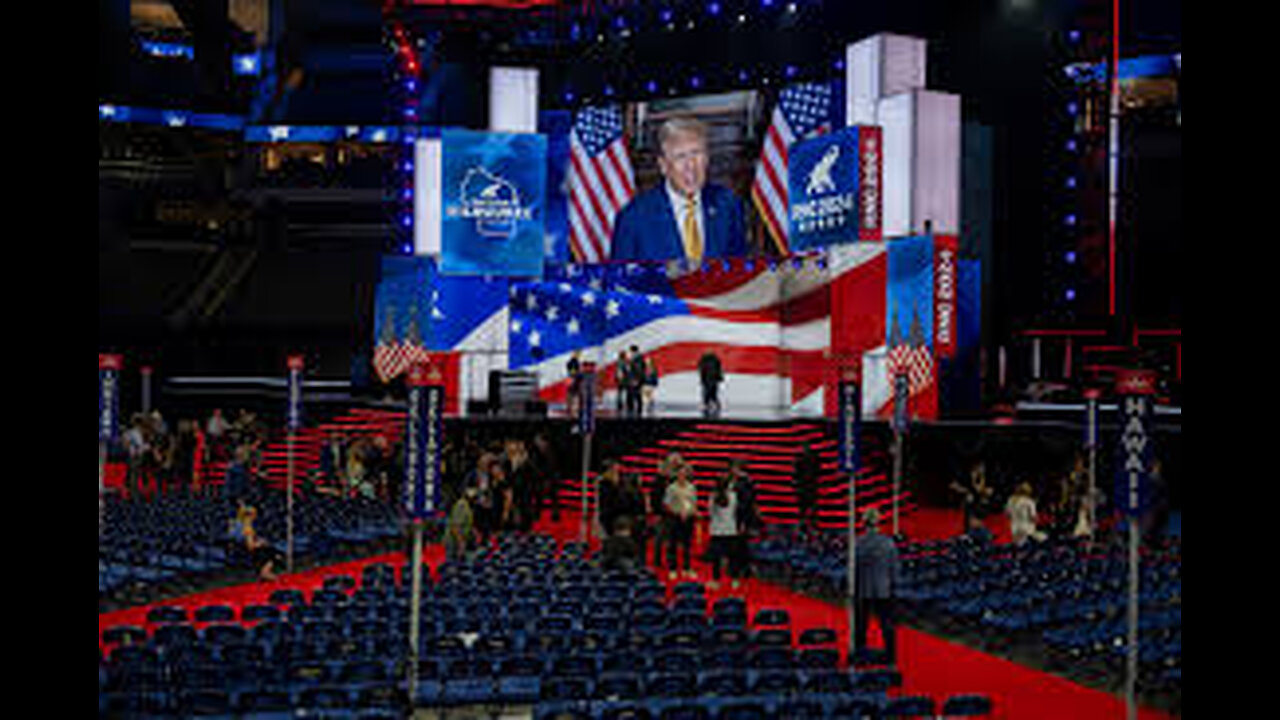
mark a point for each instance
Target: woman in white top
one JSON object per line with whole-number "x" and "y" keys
{"x": 682, "y": 514}
{"x": 1023, "y": 516}
{"x": 726, "y": 534}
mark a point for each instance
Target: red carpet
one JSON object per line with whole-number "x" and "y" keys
{"x": 931, "y": 666}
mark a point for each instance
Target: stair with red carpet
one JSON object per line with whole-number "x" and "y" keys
{"x": 770, "y": 453}
{"x": 353, "y": 424}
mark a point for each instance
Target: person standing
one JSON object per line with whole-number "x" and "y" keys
{"x": 711, "y": 373}
{"x": 460, "y": 530}
{"x": 660, "y": 527}
{"x": 1024, "y": 516}
{"x": 622, "y": 378}
{"x": 808, "y": 468}
{"x": 975, "y": 496}
{"x": 611, "y": 497}
{"x": 574, "y": 371}
{"x": 651, "y": 387}
{"x": 878, "y": 570}
{"x": 682, "y": 514}
{"x": 635, "y": 384}
{"x": 726, "y": 534}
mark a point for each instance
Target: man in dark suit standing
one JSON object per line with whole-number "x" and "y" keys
{"x": 684, "y": 218}
{"x": 712, "y": 374}
{"x": 635, "y": 384}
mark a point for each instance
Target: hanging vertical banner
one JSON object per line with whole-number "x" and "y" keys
{"x": 587, "y": 405}
{"x": 850, "y": 426}
{"x": 901, "y": 403}
{"x": 1137, "y": 390}
{"x": 109, "y": 367}
{"x": 1091, "y": 399}
{"x": 834, "y": 183}
{"x": 297, "y": 364}
{"x": 946, "y": 278}
{"x": 424, "y": 442}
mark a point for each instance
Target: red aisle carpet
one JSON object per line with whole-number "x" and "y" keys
{"x": 931, "y": 666}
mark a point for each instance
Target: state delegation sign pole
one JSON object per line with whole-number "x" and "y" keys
{"x": 109, "y": 367}
{"x": 587, "y": 428}
{"x": 1092, "y": 409}
{"x": 850, "y": 461}
{"x": 901, "y": 410}
{"x": 1136, "y": 390}
{"x": 424, "y": 440}
{"x": 296, "y": 366}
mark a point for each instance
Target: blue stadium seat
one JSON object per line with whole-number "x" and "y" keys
{"x": 909, "y": 709}
{"x": 967, "y": 706}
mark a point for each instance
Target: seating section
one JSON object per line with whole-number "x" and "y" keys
{"x": 1064, "y": 599}
{"x": 179, "y": 544}
{"x": 526, "y": 625}
{"x": 1068, "y": 597}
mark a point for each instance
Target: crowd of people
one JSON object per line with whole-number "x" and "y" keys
{"x": 174, "y": 459}
{"x": 637, "y": 377}
{"x": 670, "y": 515}
{"x": 1072, "y": 508}
{"x": 502, "y": 486}
{"x": 371, "y": 467}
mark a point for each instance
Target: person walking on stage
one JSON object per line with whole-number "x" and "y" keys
{"x": 712, "y": 374}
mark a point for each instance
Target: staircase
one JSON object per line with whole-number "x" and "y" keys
{"x": 350, "y": 425}
{"x": 770, "y": 453}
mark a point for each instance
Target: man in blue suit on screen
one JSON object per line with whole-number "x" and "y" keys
{"x": 684, "y": 218}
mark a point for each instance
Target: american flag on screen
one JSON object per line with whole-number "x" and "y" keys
{"x": 771, "y": 327}
{"x": 803, "y": 112}
{"x": 601, "y": 181}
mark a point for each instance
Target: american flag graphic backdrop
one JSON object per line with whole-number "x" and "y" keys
{"x": 784, "y": 332}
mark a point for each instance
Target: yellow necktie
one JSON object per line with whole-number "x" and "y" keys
{"x": 693, "y": 247}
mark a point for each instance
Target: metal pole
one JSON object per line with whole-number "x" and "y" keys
{"x": 853, "y": 567}
{"x": 586, "y": 506}
{"x": 415, "y": 613}
{"x": 1135, "y": 579}
{"x": 1092, "y": 502}
{"x": 289, "y": 529}
{"x": 146, "y": 391}
{"x": 899, "y": 442}
{"x": 1113, "y": 159}
{"x": 102, "y": 485}
{"x": 1037, "y": 350}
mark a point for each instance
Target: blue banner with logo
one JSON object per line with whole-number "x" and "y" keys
{"x": 1136, "y": 450}
{"x": 834, "y": 184}
{"x": 495, "y": 190}
{"x": 293, "y": 416}
{"x": 850, "y": 427}
{"x": 424, "y": 443}
{"x": 109, "y": 367}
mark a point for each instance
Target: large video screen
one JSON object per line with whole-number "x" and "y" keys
{"x": 607, "y": 167}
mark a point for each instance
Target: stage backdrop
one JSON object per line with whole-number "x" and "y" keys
{"x": 785, "y": 332}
